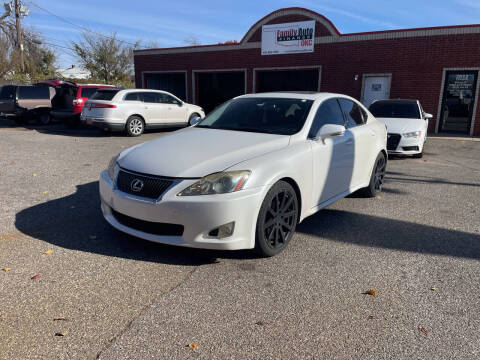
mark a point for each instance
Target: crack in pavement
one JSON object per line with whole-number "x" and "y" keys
{"x": 142, "y": 311}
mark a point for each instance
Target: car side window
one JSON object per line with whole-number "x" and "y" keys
{"x": 329, "y": 112}
{"x": 354, "y": 114}
{"x": 133, "y": 96}
{"x": 33, "y": 92}
{"x": 151, "y": 97}
{"x": 7, "y": 92}
{"x": 167, "y": 99}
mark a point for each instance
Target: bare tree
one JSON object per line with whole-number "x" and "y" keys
{"x": 106, "y": 57}
{"x": 5, "y": 56}
{"x": 39, "y": 61}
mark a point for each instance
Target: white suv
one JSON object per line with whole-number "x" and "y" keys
{"x": 134, "y": 110}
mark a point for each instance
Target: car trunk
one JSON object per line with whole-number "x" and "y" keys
{"x": 98, "y": 109}
{"x": 63, "y": 99}
{"x": 100, "y": 104}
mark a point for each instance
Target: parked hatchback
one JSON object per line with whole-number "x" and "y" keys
{"x": 25, "y": 102}
{"x": 134, "y": 110}
{"x": 407, "y": 125}
{"x": 70, "y": 98}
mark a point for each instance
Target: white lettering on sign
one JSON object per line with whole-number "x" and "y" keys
{"x": 297, "y": 37}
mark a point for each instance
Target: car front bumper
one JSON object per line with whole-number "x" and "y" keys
{"x": 197, "y": 214}
{"x": 406, "y": 146}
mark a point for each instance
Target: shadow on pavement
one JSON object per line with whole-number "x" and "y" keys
{"x": 76, "y": 222}
{"x": 393, "y": 176}
{"x": 367, "y": 230}
{"x": 59, "y": 128}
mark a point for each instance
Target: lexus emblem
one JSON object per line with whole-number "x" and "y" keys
{"x": 136, "y": 185}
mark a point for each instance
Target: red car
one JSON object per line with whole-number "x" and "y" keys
{"x": 67, "y": 104}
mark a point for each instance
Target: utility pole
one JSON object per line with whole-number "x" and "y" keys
{"x": 19, "y": 34}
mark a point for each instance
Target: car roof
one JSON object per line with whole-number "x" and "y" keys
{"x": 96, "y": 85}
{"x": 310, "y": 95}
{"x": 396, "y": 101}
{"x": 149, "y": 90}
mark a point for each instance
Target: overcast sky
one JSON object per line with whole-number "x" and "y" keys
{"x": 169, "y": 23}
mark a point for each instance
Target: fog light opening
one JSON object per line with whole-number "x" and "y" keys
{"x": 223, "y": 231}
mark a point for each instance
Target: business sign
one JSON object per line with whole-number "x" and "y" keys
{"x": 290, "y": 38}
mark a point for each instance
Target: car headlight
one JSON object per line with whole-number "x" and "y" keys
{"x": 111, "y": 166}
{"x": 413, "y": 134}
{"x": 218, "y": 183}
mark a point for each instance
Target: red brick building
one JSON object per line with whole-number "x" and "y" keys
{"x": 438, "y": 65}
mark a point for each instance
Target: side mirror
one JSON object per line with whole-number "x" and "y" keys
{"x": 330, "y": 130}
{"x": 195, "y": 121}
{"x": 427, "y": 116}
{"x": 180, "y": 103}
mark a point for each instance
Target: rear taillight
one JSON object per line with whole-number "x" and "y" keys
{"x": 102, "y": 106}
{"x": 77, "y": 101}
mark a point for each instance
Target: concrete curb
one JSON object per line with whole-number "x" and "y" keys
{"x": 457, "y": 138}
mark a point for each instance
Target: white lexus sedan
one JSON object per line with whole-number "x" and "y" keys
{"x": 134, "y": 110}
{"x": 407, "y": 125}
{"x": 244, "y": 176}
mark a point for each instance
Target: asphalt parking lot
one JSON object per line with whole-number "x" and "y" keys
{"x": 101, "y": 293}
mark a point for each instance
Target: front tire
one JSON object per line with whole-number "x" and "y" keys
{"x": 135, "y": 126}
{"x": 276, "y": 220}
{"x": 377, "y": 178}
{"x": 193, "y": 116}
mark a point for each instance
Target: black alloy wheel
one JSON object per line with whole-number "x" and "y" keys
{"x": 380, "y": 173}
{"x": 377, "y": 178}
{"x": 277, "y": 219}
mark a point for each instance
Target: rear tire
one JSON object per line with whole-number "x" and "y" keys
{"x": 44, "y": 118}
{"x": 376, "y": 179}
{"x": 276, "y": 220}
{"x": 135, "y": 126}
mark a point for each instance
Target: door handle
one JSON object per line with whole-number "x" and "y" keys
{"x": 372, "y": 133}
{"x": 146, "y": 107}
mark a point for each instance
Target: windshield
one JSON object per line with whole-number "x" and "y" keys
{"x": 395, "y": 109}
{"x": 264, "y": 115}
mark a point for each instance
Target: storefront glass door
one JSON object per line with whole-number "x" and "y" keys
{"x": 459, "y": 95}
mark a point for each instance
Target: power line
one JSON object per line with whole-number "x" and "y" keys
{"x": 60, "y": 46}
{"x": 83, "y": 28}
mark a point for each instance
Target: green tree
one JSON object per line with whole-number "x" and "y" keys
{"x": 106, "y": 57}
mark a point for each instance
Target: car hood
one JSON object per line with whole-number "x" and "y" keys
{"x": 196, "y": 152}
{"x": 402, "y": 126}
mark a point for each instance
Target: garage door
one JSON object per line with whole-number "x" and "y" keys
{"x": 287, "y": 80}
{"x": 172, "y": 82}
{"x": 214, "y": 89}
